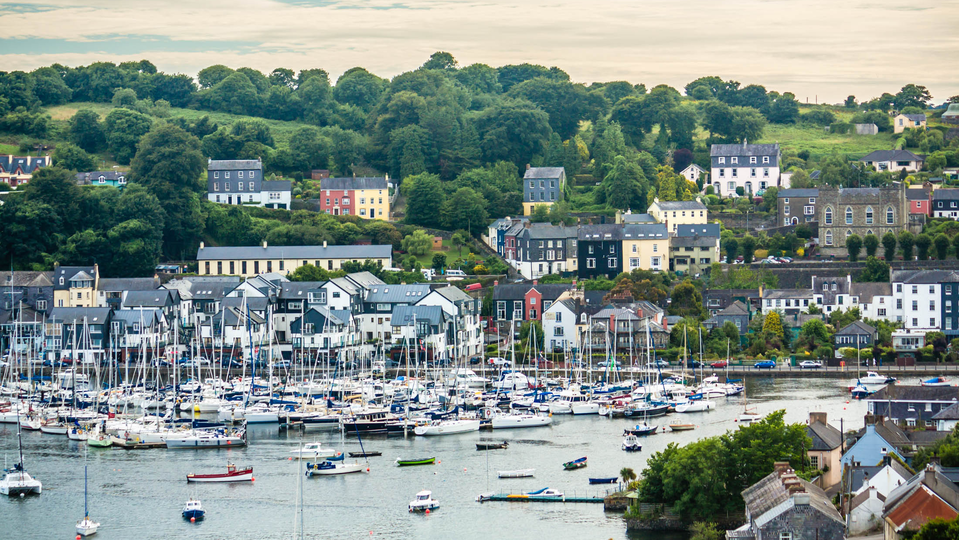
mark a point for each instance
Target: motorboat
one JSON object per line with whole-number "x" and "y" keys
{"x": 631, "y": 443}
{"x": 424, "y": 502}
{"x": 681, "y": 426}
{"x": 193, "y": 510}
{"x": 861, "y": 391}
{"x": 544, "y": 493}
{"x": 313, "y": 450}
{"x": 232, "y": 474}
{"x": 492, "y": 445}
{"x": 640, "y": 430}
{"x": 18, "y": 482}
{"x": 447, "y": 427}
{"x": 519, "y": 420}
{"x": 698, "y": 405}
{"x": 512, "y": 381}
{"x": 748, "y": 417}
{"x": 208, "y": 439}
{"x": 329, "y": 468}
{"x": 873, "y": 377}
{"x": 936, "y": 381}
{"x": 575, "y": 403}
{"x": 467, "y": 378}
{"x": 518, "y": 473}
{"x": 77, "y": 433}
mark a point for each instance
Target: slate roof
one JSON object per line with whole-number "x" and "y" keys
{"x": 233, "y": 164}
{"x": 798, "y": 193}
{"x": 693, "y": 241}
{"x": 204, "y": 287}
{"x": 787, "y": 293}
{"x": 708, "y": 229}
{"x": 517, "y": 291}
{"x": 949, "y": 413}
{"x": 68, "y": 273}
{"x": 914, "y": 194}
{"x": 744, "y": 149}
{"x": 638, "y": 218}
{"x": 276, "y": 185}
{"x": 232, "y": 316}
{"x": 927, "y": 277}
{"x": 922, "y": 497}
{"x": 148, "y": 317}
{"x": 253, "y": 303}
{"x": 598, "y": 233}
{"x": 28, "y": 165}
{"x": 824, "y": 436}
{"x": 770, "y": 493}
{"x": 890, "y": 155}
{"x": 945, "y": 194}
{"x": 293, "y": 290}
{"x": 867, "y": 291}
{"x": 210, "y": 253}
{"x": 403, "y": 315}
{"x": 70, "y": 315}
{"x": 856, "y": 328}
{"x": 637, "y": 231}
{"x": 544, "y": 230}
{"x": 898, "y": 392}
{"x": 93, "y": 177}
{"x": 544, "y": 173}
{"x": 453, "y": 294}
{"x": 26, "y": 279}
{"x": 364, "y": 279}
{"x": 619, "y": 314}
{"x": 157, "y": 298}
{"x": 128, "y": 284}
{"x": 397, "y": 294}
{"x": 362, "y": 182}
{"x": 916, "y": 117}
{"x": 736, "y": 308}
{"x": 679, "y": 205}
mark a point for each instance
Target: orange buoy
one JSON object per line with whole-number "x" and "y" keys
{"x": 427, "y": 510}
{"x": 193, "y": 520}
{"x": 252, "y": 479}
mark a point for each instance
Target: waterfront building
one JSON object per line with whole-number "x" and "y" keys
{"x": 249, "y": 261}
{"x": 930, "y": 494}
{"x": 826, "y": 450}
{"x": 912, "y": 406}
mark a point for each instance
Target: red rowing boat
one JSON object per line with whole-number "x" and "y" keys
{"x": 232, "y": 474}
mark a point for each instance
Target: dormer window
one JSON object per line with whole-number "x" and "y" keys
{"x": 765, "y": 159}
{"x": 102, "y": 179}
{"x": 722, "y": 161}
{"x": 734, "y": 160}
{"x": 752, "y": 159}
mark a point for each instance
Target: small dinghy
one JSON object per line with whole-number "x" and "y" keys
{"x": 411, "y": 462}
{"x": 365, "y": 454}
{"x": 424, "y": 502}
{"x": 490, "y": 445}
{"x": 631, "y": 443}
{"x": 193, "y": 510}
{"x": 232, "y": 474}
{"x": 314, "y": 450}
{"x": 575, "y": 464}
{"x": 936, "y": 381}
{"x": 681, "y": 426}
{"x": 610, "y": 480}
{"x": 519, "y": 473}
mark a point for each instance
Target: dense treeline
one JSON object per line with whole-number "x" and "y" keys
{"x": 459, "y": 138}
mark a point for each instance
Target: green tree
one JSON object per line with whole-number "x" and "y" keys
{"x": 686, "y": 300}
{"x": 624, "y": 186}
{"x": 566, "y": 103}
{"x": 748, "y": 246}
{"x": 938, "y": 529}
{"x": 359, "y": 87}
{"x": 731, "y": 247}
{"x": 425, "y": 200}
{"x": 875, "y": 271}
{"x": 235, "y": 94}
{"x": 439, "y": 262}
{"x": 169, "y": 164}
{"x": 889, "y": 243}
{"x": 418, "y": 243}
{"x": 209, "y": 77}
{"x": 704, "y": 530}
{"x": 853, "y": 246}
{"x": 955, "y": 244}
{"x": 441, "y": 60}
{"x": 85, "y": 130}
{"x": 923, "y": 242}
{"x": 123, "y": 129}
{"x": 459, "y": 239}
{"x": 942, "y": 246}
{"x": 512, "y": 130}
{"x": 534, "y": 328}
{"x": 57, "y": 188}
{"x": 73, "y": 158}
{"x": 906, "y": 243}
{"x": 627, "y": 474}
{"x": 465, "y": 209}
{"x": 871, "y": 243}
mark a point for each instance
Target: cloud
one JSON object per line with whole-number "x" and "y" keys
{"x": 809, "y": 47}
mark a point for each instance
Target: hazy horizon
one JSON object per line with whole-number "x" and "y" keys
{"x": 817, "y": 49}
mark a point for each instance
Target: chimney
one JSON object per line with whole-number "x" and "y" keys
{"x": 929, "y": 475}
{"x": 202, "y": 244}
{"x": 781, "y": 467}
{"x": 495, "y": 282}
{"x": 817, "y": 417}
{"x": 264, "y": 244}
{"x": 801, "y": 499}
{"x": 527, "y": 224}
{"x": 324, "y": 243}
{"x": 887, "y": 460}
{"x": 527, "y": 166}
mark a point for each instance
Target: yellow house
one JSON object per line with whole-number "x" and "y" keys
{"x": 908, "y": 121}
{"x": 367, "y": 197}
{"x": 675, "y": 213}
{"x": 645, "y": 247}
{"x": 825, "y": 452}
{"x": 248, "y": 261}
{"x": 75, "y": 286}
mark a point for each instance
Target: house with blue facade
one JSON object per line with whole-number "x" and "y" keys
{"x": 879, "y": 438}
{"x": 117, "y": 179}
{"x": 542, "y": 186}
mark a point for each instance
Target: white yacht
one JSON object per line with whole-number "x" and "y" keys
{"x": 447, "y": 427}
{"x": 571, "y": 402}
{"x": 467, "y": 378}
{"x": 313, "y": 450}
{"x": 519, "y": 420}
{"x": 18, "y": 482}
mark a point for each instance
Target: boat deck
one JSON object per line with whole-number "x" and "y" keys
{"x": 516, "y": 497}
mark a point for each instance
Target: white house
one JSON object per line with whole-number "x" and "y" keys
{"x": 693, "y": 172}
{"x": 240, "y": 182}
{"x": 865, "y": 509}
{"x": 917, "y": 294}
{"x": 464, "y": 312}
{"x": 788, "y": 301}
{"x": 752, "y": 167}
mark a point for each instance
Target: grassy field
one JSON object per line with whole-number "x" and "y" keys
{"x": 819, "y": 143}
{"x": 281, "y": 130}
{"x": 7, "y": 149}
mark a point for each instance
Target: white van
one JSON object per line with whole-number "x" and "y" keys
{"x": 455, "y": 275}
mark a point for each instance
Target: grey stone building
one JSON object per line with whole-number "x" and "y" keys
{"x": 542, "y": 185}
{"x": 783, "y": 506}
{"x": 737, "y": 313}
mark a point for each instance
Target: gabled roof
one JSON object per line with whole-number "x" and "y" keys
{"x": 345, "y": 284}
{"x": 868, "y": 291}
{"x": 298, "y": 290}
{"x": 129, "y": 317}
{"x": 916, "y": 194}
{"x": 737, "y": 308}
{"x": 694, "y": 167}
{"x": 545, "y": 173}
{"x": 276, "y": 185}
{"x": 28, "y": 164}
{"x": 404, "y": 315}
{"x": 364, "y": 279}
{"x": 71, "y": 315}
{"x": 453, "y": 294}
{"x": 645, "y": 231}
{"x": 128, "y": 284}
{"x": 517, "y": 291}
{"x": 638, "y": 218}
{"x": 798, "y": 193}
{"x": 251, "y": 303}
{"x": 824, "y": 436}
{"x": 787, "y": 293}
{"x": 949, "y": 413}
{"x": 926, "y": 495}
{"x": 945, "y": 194}
{"x": 898, "y": 392}
{"x": 766, "y": 499}
{"x": 927, "y": 277}
{"x": 600, "y": 233}
{"x": 26, "y": 279}
{"x": 397, "y": 294}
{"x": 68, "y": 273}
{"x": 890, "y": 155}
{"x": 212, "y": 253}
{"x": 856, "y": 328}
{"x": 232, "y": 316}
{"x": 201, "y": 288}
{"x": 707, "y": 229}
{"x": 362, "y": 182}
{"x": 678, "y": 205}
{"x": 158, "y": 298}
{"x": 915, "y": 117}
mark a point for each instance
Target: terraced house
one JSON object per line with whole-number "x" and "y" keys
{"x": 744, "y": 168}
{"x": 367, "y": 197}
{"x": 240, "y": 181}
{"x": 542, "y": 186}
{"x": 248, "y": 261}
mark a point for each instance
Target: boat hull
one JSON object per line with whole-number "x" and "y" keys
{"x": 520, "y": 421}
{"x": 414, "y": 462}
{"x": 451, "y": 427}
{"x": 521, "y": 473}
{"x": 87, "y": 528}
{"x": 246, "y": 475}
{"x": 341, "y": 468}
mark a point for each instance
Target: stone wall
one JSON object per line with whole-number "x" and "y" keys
{"x": 798, "y": 274}
{"x": 738, "y": 221}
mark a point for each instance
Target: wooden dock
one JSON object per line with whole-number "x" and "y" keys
{"x": 519, "y": 497}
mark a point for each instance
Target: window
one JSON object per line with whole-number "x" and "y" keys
{"x": 239, "y": 186}
{"x": 890, "y": 216}
{"x": 932, "y": 305}
{"x": 766, "y": 173}
{"x": 785, "y": 209}
{"x": 814, "y": 461}
{"x": 226, "y": 174}
{"x": 251, "y": 186}
{"x": 239, "y": 174}
{"x": 216, "y": 186}
{"x": 655, "y": 248}
{"x": 501, "y": 310}
{"x": 243, "y": 267}
{"x": 216, "y": 174}
{"x": 932, "y": 323}
{"x": 915, "y": 305}
{"x": 590, "y": 263}
{"x": 809, "y": 210}
{"x": 898, "y": 303}
{"x": 734, "y": 160}
{"x": 612, "y": 262}
{"x": 915, "y": 322}
{"x": 752, "y": 172}
{"x": 735, "y": 173}
{"x": 828, "y": 216}
{"x": 722, "y": 173}
{"x": 848, "y": 215}
{"x": 828, "y": 238}
{"x": 932, "y": 289}
{"x": 226, "y": 186}
{"x": 882, "y": 312}
{"x": 752, "y": 159}
{"x": 948, "y": 323}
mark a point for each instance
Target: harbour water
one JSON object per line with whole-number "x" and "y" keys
{"x": 139, "y": 494}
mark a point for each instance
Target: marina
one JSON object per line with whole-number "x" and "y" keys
{"x": 124, "y": 486}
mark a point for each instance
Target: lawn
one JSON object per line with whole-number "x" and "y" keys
{"x": 819, "y": 143}
{"x": 280, "y": 129}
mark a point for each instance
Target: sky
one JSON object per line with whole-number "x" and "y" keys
{"x": 821, "y": 50}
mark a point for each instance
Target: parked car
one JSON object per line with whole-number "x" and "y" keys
{"x": 765, "y": 364}
{"x": 695, "y": 364}
{"x": 719, "y": 365}
{"x": 497, "y": 361}
{"x": 659, "y": 363}
{"x": 810, "y": 364}
{"x": 476, "y": 360}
